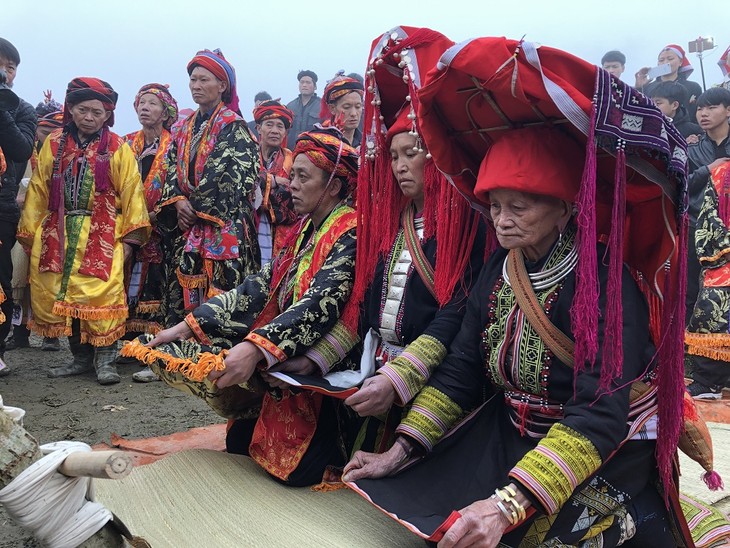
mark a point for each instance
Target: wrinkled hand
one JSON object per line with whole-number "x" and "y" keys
{"x": 179, "y": 332}
{"x": 642, "y": 77}
{"x": 693, "y": 139}
{"x": 374, "y": 398}
{"x": 186, "y": 216}
{"x": 299, "y": 365}
{"x": 717, "y": 163}
{"x": 481, "y": 524}
{"x": 240, "y": 364}
{"x": 373, "y": 465}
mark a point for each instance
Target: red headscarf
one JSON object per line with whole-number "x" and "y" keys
{"x": 221, "y": 69}
{"x": 686, "y": 66}
{"x": 338, "y": 87}
{"x": 85, "y": 89}
{"x": 162, "y": 92}
{"x": 269, "y": 110}
{"x": 327, "y": 150}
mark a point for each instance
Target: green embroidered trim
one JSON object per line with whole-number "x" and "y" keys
{"x": 398, "y": 245}
{"x": 411, "y": 370}
{"x": 561, "y": 461}
{"x": 432, "y": 415}
{"x": 530, "y": 355}
{"x": 331, "y": 349}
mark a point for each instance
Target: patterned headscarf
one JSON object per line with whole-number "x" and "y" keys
{"x": 52, "y": 119}
{"x": 338, "y": 87}
{"x": 86, "y": 89}
{"x": 686, "y": 67}
{"x": 221, "y": 69}
{"x": 162, "y": 92}
{"x": 327, "y": 150}
{"x": 269, "y": 110}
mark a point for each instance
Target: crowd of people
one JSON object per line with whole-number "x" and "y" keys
{"x": 414, "y": 267}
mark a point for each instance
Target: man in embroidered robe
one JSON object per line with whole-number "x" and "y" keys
{"x": 84, "y": 215}
{"x": 274, "y": 315}
{"x": 275, "y": 213}
{"x": 213, "y": 169}
{"x": 145, "y": 274}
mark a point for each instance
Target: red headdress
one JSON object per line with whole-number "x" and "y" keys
{"x": 686, "y": 67}
{"x": 398, "y": 61}
{"x": 632, "y": 193}
{"x": 338, "y": 87}
{"x": 86, "y": 89}
{"x": 268, "y": 110}
{"x": 221, "y": 69}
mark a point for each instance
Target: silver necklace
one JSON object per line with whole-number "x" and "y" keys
{"x": 551, "y": 276}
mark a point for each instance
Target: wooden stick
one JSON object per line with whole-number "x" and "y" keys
{"x": 97, "y": 464}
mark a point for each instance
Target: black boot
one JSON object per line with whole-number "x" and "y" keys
{"x": 83, "y": 361}
{"x": 106, "y": 371}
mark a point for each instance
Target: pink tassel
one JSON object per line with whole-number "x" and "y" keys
{"x": 713, "y": 481}
{"x": 54, "y": 199}
{"x": 102, "y": 176}
{"x": 584, "y": 310}
{"x": 670, "y": 358}
{"x": 612, "y": 357}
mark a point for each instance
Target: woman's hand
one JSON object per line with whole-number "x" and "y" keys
{"x": 186, "y": 216}
{"x": 240, "y": 364}
{"x": 481, "y": 524}
{"x": 299, "y": 365}
{"x": 374, "y": 398}
{"x": 179, "y": 332}
{"x": 373, "y": 465}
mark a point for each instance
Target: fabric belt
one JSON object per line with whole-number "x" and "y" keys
{"x": 78, "y": 213}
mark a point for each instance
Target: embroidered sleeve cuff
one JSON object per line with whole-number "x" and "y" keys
{"x": 137, "y": 235}
{"x": 332, "y": 348}
{"x": 197, "y": 330}
{"x": 432, "y": 415}
{"x": 171, "y": 201}
{"x": 410, "y": 371}
{"x": 210, "y": 219}
{"x": 722, "y": 254}
{"x": 268, "y": 346}
{"x": 561, "y": 461}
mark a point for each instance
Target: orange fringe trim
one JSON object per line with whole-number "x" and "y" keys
{"x": 327, "y": 486}
{"x": 148, "y": 307}
{"x": 193, "y": 281}
{"x": 712, "y": 353}
{"x": 50, "y": 330}
{"x": 105, "y": 339}
{"x": 143, "y": 326}
{"x": 137, "y": 227}
{"x": 210, "y": 218}
{"x": 707, "y": 339}
{"x": 715, "y": 257}
{"x": 207, "y": 361}
{"x": 61, "y": 308}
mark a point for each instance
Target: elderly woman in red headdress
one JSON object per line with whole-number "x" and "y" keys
{"x": 84, "y": 215}
{"x": 224, "y": 346}
{"x": 342, "y": 106}
{"x": 677, "y": 69}
{"x": 556, "y": 353}
{"x": 213, "y": 169}
{"x": 276, "y": 212}
{"x": 157, "y": 111}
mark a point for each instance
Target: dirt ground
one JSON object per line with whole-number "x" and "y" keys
{"x": 78, "y": 408}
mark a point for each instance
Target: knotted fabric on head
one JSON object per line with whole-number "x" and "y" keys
{"x": 221, "y": 69}
{"x": 87, "y": 89}
{"x": 686, "y": 67}
{"x": 48, "y": 106}
{"x": 52, "y": 120}
{"x": 326, "y": 149}
{"x": 535, "y": 160}
{"x": 338, "y": 87}
{"x": 270, "y": 110}
{"x": 162, "y": 92}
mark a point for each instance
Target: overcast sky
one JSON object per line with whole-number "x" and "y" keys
{"x": 132, "y": 42}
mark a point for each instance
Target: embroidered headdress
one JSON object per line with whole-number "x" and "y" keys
{"x": 221, "y": 69}
{"x": 87, "y": 89}
{"x": 336, "y": 88}
{"x": 268, "y": 110}
{"x": 632, "y": 191}
{"x": 162, "y": 92}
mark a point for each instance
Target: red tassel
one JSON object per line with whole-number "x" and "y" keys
{"x": 524, "y": 412}
{"x": 612, "y": 356}
{"x": 713, "y": 481}
{"x": 690, "y": 409}
{"x": 102, "y": 176}
{"x": 584, "y": 310}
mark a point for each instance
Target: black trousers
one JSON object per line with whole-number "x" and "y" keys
{"x": 710, "y": 372}
{"x": 7, "y": 237}
{"x": 324, "y": 450}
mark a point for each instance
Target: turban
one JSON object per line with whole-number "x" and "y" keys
{"x": 686, "y": 66}
{"x": 221, "y": 69}
{"x": 87, "y": 89}
{"x": 535, "y": 160}
{"x": 269, "y": 110}
{"x": 52, "y": 120}
{"x": 327, "y": 150}
{"x": 338, "y": 87}
{"x": 162, "y": 92}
